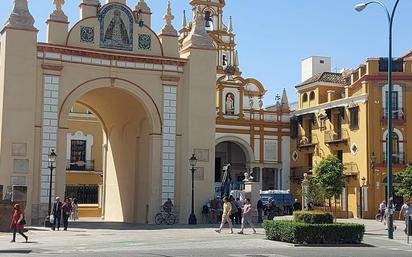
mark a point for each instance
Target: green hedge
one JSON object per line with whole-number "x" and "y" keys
{"x": 313, "y": 217}
{"x": 301, "y": 233}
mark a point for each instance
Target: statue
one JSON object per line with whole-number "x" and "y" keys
{"x": 248, "y": 176}
{"x": 229, "y": 104}
{"x": 58, "y": 4}
{"x": 226, "y": 180}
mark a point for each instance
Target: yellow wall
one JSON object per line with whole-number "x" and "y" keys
{"x": 367, "y": 83}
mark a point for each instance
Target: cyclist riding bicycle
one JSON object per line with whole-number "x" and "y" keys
{"x": 168, "y": 206}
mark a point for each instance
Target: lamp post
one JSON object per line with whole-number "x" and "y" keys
{"x": 52, "y": 161}
{"x": 360, "y": 7}
{"x": 192, "y": 217}
{"x": 361, "y": 196}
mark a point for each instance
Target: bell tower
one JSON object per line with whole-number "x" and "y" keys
{"x": 212, "y": 12}
{"x": 222, "y": 34}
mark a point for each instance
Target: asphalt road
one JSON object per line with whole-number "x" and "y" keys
{"x": 112, "y": 240}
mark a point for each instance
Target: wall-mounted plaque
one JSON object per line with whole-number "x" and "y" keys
{"x": 200, "y": 174}
{"x": 202, "y": 155}
{"x": 19, "y": 149}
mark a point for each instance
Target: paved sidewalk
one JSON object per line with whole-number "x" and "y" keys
{"x": 100, "y": 239}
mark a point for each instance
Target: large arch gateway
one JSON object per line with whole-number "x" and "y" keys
{"x": 142, "y": 87}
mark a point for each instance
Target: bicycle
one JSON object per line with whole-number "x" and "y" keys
{"x": 165, "y": 217}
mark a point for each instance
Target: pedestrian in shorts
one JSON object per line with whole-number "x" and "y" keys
{"x": 247, "y": 217}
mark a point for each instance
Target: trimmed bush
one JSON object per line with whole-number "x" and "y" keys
{"x": 301, "y": 233}
{"x": 313, "y": 217}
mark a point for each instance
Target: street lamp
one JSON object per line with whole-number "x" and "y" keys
{"x": 192, "y": 217}
{"x": 360, "y": 7}
{"x": 52, "y": 161}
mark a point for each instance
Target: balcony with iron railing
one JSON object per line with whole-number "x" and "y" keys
{"x": 350, "y": 168}
{"x": 296, "y": 173}
{"x": 307, "y": 141}
{"x": 398, "y": 114}
{"x": 397, "y": 158}
{"x": 336, "y": 137}
{"x": 80, "y": 165}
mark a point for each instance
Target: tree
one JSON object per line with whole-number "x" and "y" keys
{"x": 404, "y": 188}
{"x": 330, "y": 177}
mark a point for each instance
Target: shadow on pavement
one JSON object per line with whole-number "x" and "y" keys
{"x": 129, "y": 226}
{"x": 336, "y": 245}
{"x": 16, "y": 251}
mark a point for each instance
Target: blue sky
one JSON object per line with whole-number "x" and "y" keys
{"x": 273, "y": 36}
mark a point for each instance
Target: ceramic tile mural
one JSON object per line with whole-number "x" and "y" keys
{"x": 86, "y": 34}
{"x": 116, "y": 27}
{"x": 145, "y": 42}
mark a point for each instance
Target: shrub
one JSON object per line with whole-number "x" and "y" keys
{"x": 313, "y": 217}
{"x": 301, "y": 233}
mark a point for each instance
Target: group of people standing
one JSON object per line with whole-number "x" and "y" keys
{"x": 231, "y": 210}
{"x": 62, "y": 211}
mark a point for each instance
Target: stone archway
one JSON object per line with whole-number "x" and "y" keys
{"x": 238, "y": 153}
{"x": 131, "y": 123}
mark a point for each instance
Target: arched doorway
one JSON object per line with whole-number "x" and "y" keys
{"x": 131, "y": 172}
{"x": 236, "y": 152}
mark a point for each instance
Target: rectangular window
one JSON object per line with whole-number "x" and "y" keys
{"x": 78, "y": 151}
{"x": 354, "y": 118}
{"x": 395, "y": 103}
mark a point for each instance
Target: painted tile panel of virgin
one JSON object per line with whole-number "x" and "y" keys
{"x": 116, "y": 27}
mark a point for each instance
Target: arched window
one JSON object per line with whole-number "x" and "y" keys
{"x": 305, "y": 97}
{"x": 312, "y": 96}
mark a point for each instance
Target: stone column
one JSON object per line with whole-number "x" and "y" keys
{"x": 169, "y": 142}
{"x": 51, "y": 85}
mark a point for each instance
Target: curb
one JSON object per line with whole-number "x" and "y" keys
{"x": 333, "y": 245}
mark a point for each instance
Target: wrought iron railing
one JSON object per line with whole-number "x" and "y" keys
{"x": 397, "y": 114}
{"x": 307, "y": 141}
{"x": 84, "y": 194}
{"x": 296, "y": 173}
{"x": 397, "y": 158}
{"x": 80, "y": 165}
{"x": 337, "y": 136}
{"x": 350, "y": 167}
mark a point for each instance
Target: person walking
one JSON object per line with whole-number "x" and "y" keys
{"x": 382, "y": 208}
{"x": 66, "y": 208}
{"x": 57, "y": 213}
{"x": 247, "y": 217}
{"x": 227, "y": 210}
{"x": 17, "y": 223}
{"x": 234, "y": 212}
{"x": 406, "y": 211}
{"x": 239, "y": 210}
{"x": 260, "y": 208}
{"x": 75, "y": 210}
